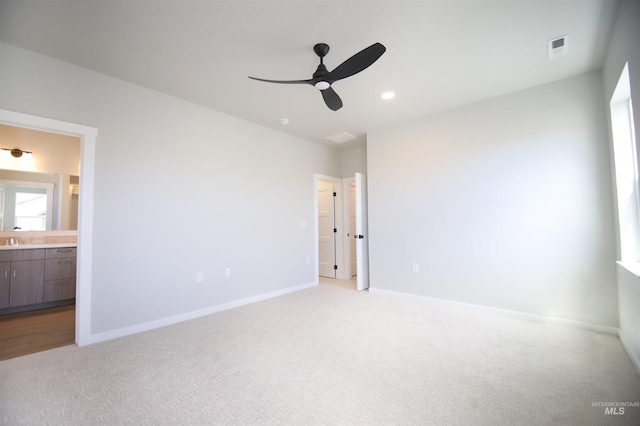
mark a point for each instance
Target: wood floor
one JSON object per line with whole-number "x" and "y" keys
{"x": 35, "y": 331}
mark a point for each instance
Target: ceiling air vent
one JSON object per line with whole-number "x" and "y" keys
{"x": 558, "y": 46}
{"x": 342, "y": 137}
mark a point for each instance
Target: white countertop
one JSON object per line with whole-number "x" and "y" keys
{"x": 36, "y": 246}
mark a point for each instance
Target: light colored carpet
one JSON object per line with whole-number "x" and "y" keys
{"x": 329, "y": 356}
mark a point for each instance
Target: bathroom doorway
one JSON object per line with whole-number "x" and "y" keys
{"x": 87, "y": 136}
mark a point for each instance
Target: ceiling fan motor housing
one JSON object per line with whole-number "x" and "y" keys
{"x": 322, "y": 70}
{"x": 320, "y": 83}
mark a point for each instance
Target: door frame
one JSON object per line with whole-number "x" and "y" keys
{"x": 87, "y": 136}
{"x": 362, "y": 228}
{"x": 339, "y": 224}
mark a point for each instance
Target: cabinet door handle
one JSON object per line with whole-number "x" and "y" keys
{"x": 64, "y": 261}
{"x": 6, "y": 273}
{"x": 14, "y": 273}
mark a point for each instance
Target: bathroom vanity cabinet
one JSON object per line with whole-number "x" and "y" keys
{"x": 32, "y": 276}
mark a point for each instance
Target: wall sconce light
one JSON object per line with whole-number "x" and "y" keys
{"x": 16, "y": 152}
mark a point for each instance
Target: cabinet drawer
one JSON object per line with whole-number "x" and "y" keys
{"x": 60, "y": 252}
{"x": 55, "y": 269}
{"x": 59, "y": 290}
{"x": 21, "y": 254}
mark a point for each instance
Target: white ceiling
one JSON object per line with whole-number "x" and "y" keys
{"x": 440, "y": 54}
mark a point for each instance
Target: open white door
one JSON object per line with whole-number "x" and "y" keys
{"x": 362, "y": 233}
{"x": 351, "y": 214}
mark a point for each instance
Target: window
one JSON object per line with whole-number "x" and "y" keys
{"x": 31, "y": 210}
{"x": 26, "y": 206}
{"x": 626, "y": 169}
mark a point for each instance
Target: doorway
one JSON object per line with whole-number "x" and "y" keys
{"x": 327, "y": 229}
{"x": 349, "y": 233}
{"x": 87, "y": 137}
{"x": 36, "y": 196}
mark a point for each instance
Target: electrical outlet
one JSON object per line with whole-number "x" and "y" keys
{"x": 308, "y": 260}
{"x": 414, "y": 267}
{"x": 199, "y": 277}
{"x": 227, "y": 272}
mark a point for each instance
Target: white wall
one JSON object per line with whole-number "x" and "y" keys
{"x": 353, "y": 161}
{"x": 505, "y": 203}
{"x": 179, "y": 189}
{"x": 623, "y": 47}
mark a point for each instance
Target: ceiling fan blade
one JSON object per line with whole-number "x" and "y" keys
{"x": 331, "y": 98}
{"x": 358, "y": 62}
{"x": 283, "y": 81}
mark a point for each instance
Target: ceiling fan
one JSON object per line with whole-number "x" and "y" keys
{"x": 323, "y": 79}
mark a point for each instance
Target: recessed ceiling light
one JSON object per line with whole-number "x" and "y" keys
{"x": 387, "y": 95}
{"x": 284, "y": 121}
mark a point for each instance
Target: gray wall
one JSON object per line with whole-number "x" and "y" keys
{"x": 179, "y": 189}
{"x": 623, "y": 47}
{"x": 506, "y": 203}
{"x": 353, "y": 161}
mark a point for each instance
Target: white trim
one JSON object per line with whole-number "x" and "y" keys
{"x": 633, "y": 267}
{"x": 498, "y": 311}
{"x": 87, "y": 137}
{"x": 163, "y": 322}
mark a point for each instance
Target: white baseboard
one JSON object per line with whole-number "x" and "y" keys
{"x": 505, "y": 312}
{"x": 163, "y": 322}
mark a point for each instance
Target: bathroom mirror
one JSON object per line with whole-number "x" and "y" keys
{"x": 31, "y": 201}
{"x": 38, "y": 180}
